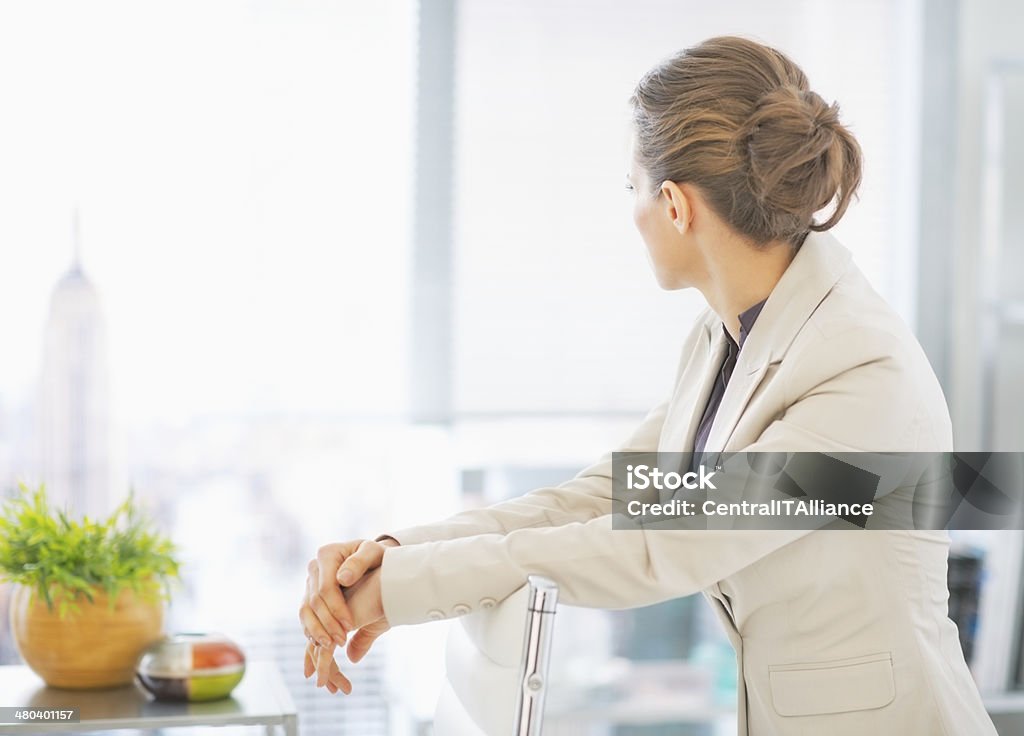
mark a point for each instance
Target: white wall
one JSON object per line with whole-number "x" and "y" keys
{"x": 556, "y": 310}
{"x": 989, "y": 29}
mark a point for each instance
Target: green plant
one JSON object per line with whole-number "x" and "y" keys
{"x": 64, "y": 560}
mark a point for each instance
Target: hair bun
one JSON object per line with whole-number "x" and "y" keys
{"x": 821, "y": 113}
{"x": 796, "y": 152}
{"x": 736, "y": 119}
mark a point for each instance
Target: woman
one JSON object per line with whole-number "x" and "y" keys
{"x": 836, "y": 632}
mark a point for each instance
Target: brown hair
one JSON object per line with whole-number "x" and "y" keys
{"x": 737, "y": 119}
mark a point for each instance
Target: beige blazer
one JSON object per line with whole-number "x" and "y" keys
{"x": 836, "y": 632}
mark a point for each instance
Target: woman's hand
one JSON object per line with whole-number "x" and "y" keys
{"x": 368, "y": 612}
{"x": 324, "y": 613}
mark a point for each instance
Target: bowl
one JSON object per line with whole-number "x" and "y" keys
{"x": 191, "y": 667}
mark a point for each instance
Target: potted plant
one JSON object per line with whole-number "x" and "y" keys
{"x": 89, "y": 594}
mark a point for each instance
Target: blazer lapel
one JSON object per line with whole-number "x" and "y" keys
{"x": 812, "y": 273}
{"x": 737, "y": 395}
{"x": 691, "y": 393}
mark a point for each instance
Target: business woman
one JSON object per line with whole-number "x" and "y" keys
{"x": 836, "y": 632}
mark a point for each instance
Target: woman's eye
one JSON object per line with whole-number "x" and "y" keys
{"x": 629, "y": 187}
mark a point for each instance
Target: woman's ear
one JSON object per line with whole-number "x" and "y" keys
{"x": 679, "y": 205}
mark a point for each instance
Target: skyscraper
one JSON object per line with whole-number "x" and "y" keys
{"x": 73, "y": 402}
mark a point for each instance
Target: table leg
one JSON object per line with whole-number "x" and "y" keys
{"x": 291, "y": 725}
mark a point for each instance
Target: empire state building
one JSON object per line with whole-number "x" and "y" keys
{"x": 74, "y": 421}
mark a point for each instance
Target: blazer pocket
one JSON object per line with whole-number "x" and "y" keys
{"x": 834, "y": 686}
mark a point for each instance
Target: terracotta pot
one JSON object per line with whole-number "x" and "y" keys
{"x": 96, "y": 647}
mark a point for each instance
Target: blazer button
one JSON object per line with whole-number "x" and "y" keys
{"x": 460, "y": 609}
{"x": 487, "y": 602}
{"x": 435, "y": 615}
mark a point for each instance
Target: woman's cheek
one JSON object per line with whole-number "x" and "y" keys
{"x": 638, "y": 215}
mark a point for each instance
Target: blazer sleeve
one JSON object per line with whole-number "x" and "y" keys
{"x": 586, "y": 496}
{"x": 599, "y": 567}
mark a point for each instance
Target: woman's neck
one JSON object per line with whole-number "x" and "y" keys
{"x": 739, "y": 276}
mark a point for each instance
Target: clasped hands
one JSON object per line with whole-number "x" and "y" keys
{"x": 343, "y": 598}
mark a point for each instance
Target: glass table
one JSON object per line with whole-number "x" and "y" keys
{"x": 260, "y": 699}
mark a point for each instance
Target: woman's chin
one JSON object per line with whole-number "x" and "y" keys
{"x": 669, "y": 281}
